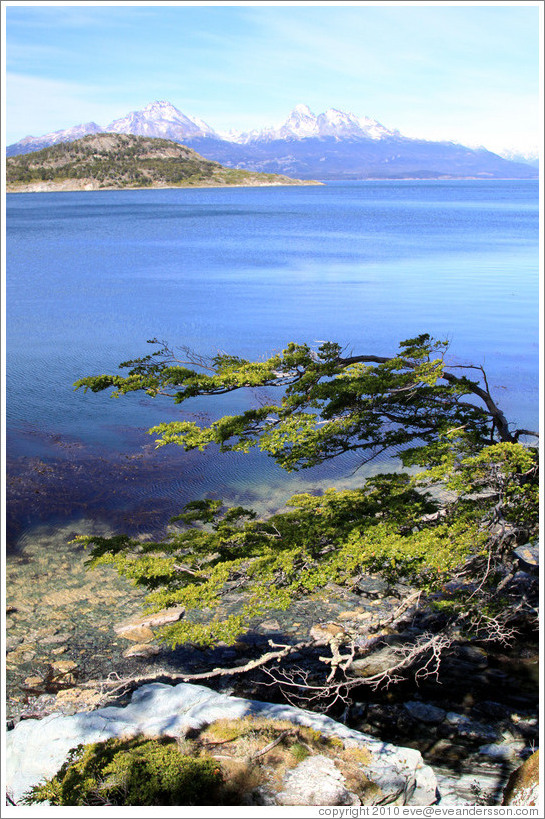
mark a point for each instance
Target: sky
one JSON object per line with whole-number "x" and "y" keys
{"x": 467, "y": 73}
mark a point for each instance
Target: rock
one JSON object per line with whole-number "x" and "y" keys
{"x": 425, "y": 713}
{"x": 402, "y": 590}
{"x": 352, "y": 614}
{"x": 493, "y": 709}
{"x": 64, "y": 666}
{"x": 37, "y": 748}
{"x": 424, "y": 791}
{"x": 158, "y": 618}
{"x": 10, "y": 609}
{"x": 64, "y": 672}
{"x": 12, "y": 643}
{"x": 528, "y": 556}
{"x": 473, "y": 655}
{"x": 502, "y": 751}
{"x": 54, "y": 639}
{"x": 527, "y": 728}
{"x": 141, "y": 650}
{"x": 372, "y": 586}
{"x": 471, "y": 729}
{"x": 138, "y": 634}
{"x": 447, "y": 754}
{"x": 475, "y": 788}
{"x": 315, "y": 781}
{"x": 377, "y": 662}
{"x": 270, "y": 625}
{"x": 71, "y": 700}
{"x": 523, "y": 785}
{"x": 324, "y": 632}
{"x": 33, "y": 682}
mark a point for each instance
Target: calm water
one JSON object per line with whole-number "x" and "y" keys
{"x": 92, "y": 275}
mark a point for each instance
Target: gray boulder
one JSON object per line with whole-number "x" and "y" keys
{"x": 377, "y": 662}
{"x": 36, "y": 749}
{"x": 423, "y": 712}
{"x": 316, "y": 781}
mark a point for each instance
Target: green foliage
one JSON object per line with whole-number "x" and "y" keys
{"x": 389, "y": 526}
{"x": 496, "y": 481}
{"x": 299, "y": 752}
{"x": 136, "y": 771}
{"x": 124, "y": 160}
{"x": 148, "y": 772}
{"x": 392, "y": 525}
{"x": 329, "y": 404}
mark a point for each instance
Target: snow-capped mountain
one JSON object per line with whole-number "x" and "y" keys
{"x": 530, "y": 157}
{"x": 161, "y": 119}
{"x": 302, "y": 123}
{"x": 31, "y": 143}
{"x": 331, "y": 145}
{"x": 158, "y": 119}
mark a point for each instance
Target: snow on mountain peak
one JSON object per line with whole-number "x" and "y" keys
{"x": 302, "y": 123}
{"x": 302, "y": 109}
{"x": 162, "y": 110}
{"x": 334, "y": 115}
{"x": 161, "y": 119}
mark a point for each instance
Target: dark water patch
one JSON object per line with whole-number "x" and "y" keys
{"x": 136, "y": 488}
{"x": 136, "y": 492}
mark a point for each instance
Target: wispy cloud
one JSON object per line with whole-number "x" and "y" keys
{"x": 413, "y": 67}
{"x": 54, "y": 104}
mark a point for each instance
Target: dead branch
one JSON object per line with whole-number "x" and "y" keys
{"x": 127, "y": 683}
{"x": 338, "y": 660}
{"x": 273, "y": 744}
{"x": 396, "y": 617}
{"x": 182, "y": 568}
{"x": 296, "y": 688}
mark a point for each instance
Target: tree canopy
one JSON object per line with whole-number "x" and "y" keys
{"x": 331, "y": 403}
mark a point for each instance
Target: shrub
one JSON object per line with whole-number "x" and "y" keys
{"x": 134, "y": 771}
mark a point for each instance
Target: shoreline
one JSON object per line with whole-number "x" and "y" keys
{"x": 62, "y": 187}
{"x": 45, "y": 187}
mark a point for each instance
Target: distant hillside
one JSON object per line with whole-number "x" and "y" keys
{"x": 332, "y": 145}
{"x": 109, "y": 161}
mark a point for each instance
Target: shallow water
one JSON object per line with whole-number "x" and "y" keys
{"x": 92, "y": 275}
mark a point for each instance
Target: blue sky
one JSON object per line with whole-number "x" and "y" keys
{"x": 467, "y": 73}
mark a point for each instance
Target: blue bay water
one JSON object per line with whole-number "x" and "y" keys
{"x": 92, "y": 275}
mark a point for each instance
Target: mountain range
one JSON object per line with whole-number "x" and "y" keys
{"x": 330, "y": 145}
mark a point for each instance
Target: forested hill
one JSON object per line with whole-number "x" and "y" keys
{"x": 124, "y": 161}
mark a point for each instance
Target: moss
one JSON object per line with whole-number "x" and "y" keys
{"x": 299, "y": 751}
{"x": 357, "y": 755}
{"x": 254, "y": 755}
{"x": 131, "y": 772}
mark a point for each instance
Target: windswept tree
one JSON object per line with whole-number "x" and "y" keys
{"x": 329, "y": 403}
{"x": 440, "y": 418}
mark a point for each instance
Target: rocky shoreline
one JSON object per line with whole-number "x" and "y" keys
{"x": 72, "y": 185}
{"x": 68, "y": 630}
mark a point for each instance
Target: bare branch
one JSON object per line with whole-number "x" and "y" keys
{"x": 122, "y": 684}
{"x": 274, "y": 743}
